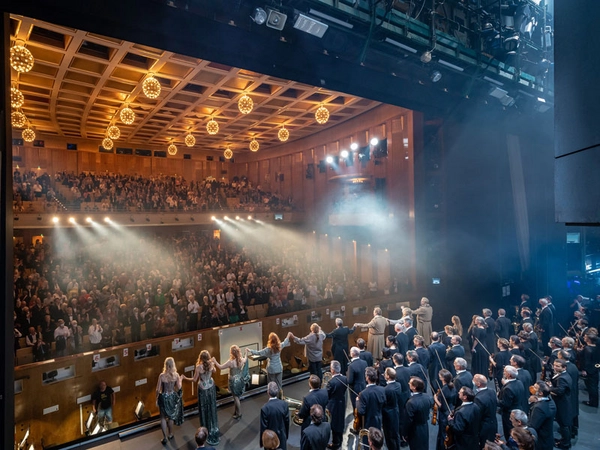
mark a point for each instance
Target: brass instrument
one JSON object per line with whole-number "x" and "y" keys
{"x": 326, "y": 379}
{"x": 296, "y": 405}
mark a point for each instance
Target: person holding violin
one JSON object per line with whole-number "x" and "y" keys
{"x": 465, "y": 421}
{"x": 444, "y": 399}
{"x": 391, "y": 410}
{"x": 356, "y": 381}
{"x": 371, "y": 400}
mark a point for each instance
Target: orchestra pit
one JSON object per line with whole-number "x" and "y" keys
{"x": 315, "y": 217}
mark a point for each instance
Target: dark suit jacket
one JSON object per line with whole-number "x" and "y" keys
{"x": 462, "y": 379}
{"x": 370, "y": 405}
{"x": 424, "y": 357}
{"x": 465, "y": 425}
{"x": 561, "y": 394}
{"x": 411, "y": 333}
{"x": 336, "y": 391}
{"x": 457, "y": 351}
{"x": 356, "y": 375}
{"x": 275, "y": 415}
{"x": 316, "y": 397}
{"x": 403, "y": 377}
{"x": 525, "y": 377}
{"x": 504, "y": 327}
{"x": 487, "y": 402}
{"x": 417, "y": 370}
{"x": 367, "y": 357}
{"x": 402, "y": 343}
{"x": 542, "y": 420}
{"x": 417, "y": 418}
{"x": 315, "y": 437}
{"x": 437, "y": 353}
{"x": 510, "y": 398}
{"x": 574, "y": 374}
{"x": 391, "y": 408}
{"x": 339, "y": 345}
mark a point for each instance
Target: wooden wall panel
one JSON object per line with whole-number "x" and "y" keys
{"x": 365, "y": 260}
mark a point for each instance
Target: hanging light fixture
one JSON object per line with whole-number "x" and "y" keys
{"x": 322, "y": 115}
{"x": 21, "y": 59}
{"x": 107, "y": 143}
{"x": 228, "y": 153}
{"x": 212, "y": 127}
{"x": 283, "y": 134}
{"x": 190, "y": 140}
{"x": 28, "y": 134}
{"x": 245, "y": 104}
{"x": 151, "y": 87}
{"x": 172, "y": 149}
{"x": 16, "y": 97}
{"x": 254, "y": 145}
{"x": 18, "y": 119}
{"x": 113, "y": 132}
{"x": 127, "y": 115}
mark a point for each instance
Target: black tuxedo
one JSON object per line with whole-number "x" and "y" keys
{"x": 371, "y": 401}
{"x": 547, "y": 326}
{"x": 503, "y": 327}
{"x": 574, "y": 396}
{"x": 356, "y": 378}
{"x": 465, "y": 425}
{"x": 417, "y": 370}
{"x": 424, "y": 356}
{"x": 391, "y": 414}
{"x": 402, "y": 343}
{"x": 561, "y": 394}
{"x": 490, "y": 337}
{"x": 456, "y": 351}
{"x": 315, "y": 437}
{"x": 462, "y": 379}
{"x": 336, "y": 391}
{"x": 437, "y": 353}
{"x": 367, "y": 357}
{"x": 510, "y": 398}
{"x": 487, "y": 402}
{"x": 502, "y": 359}
{"x": 417, "y": 418}
{"x": 541, "y": 419}
{"x": 524, "y": 377}
{"x": 339, "y": 346}
{"x": 314, "y": 397}
{"x": 590, "y": 357}
{"x": 275, "y": 416}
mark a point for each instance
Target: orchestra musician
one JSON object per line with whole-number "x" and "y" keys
{"x": 456, "y": 351}
{"x": 371, "y": 400}
{"x": 424, "y": 317}
{"x": 543, "y": 412}
{"x": 561, "y": 393}
{"x": 574, "y": 396}
{"x": 499, "y": 360}
{"x": 364, "y": 354}
{"x": 401, "y": 339}
{"x": 437, "y": 353}
{"x": 391, "y": 410}
{"x": 465, "y": 422}
{"x": 356, "y": 375}
{"x": 417, "y": 416}
{"x": 462, "y": 378}
{"x": 336, "y": 404}
{"x": 509, "y": 397}
{"x": 590, "y": 360}
{"x": 445, "y": 399}
{"x": 546, "y": 323}
{"x": 488, "y": 403}
{"x": 315, "y": 396}
{"x": 503, "y": 325}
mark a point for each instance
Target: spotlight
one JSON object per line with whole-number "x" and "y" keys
{"x": 260, "y": 16}
{"x": 237, "y": 217}
{"x": 435, "y": 76}
{"x": 225, "y": 218}
{"x": 354, "y": 146}
{"x": 249, "y": 217}
{"x": 213, "y": 218}
{"x": 374, "y": 141}
{"x": 72, "y": 219}
{"x": 107, "y": 219}
{"x": 344, "y": 154}
{"x": 88, "y": 219}
{"x": 329, "y": 159}
{"x": 55, "y": 220}
{"x": 426, "y": 57}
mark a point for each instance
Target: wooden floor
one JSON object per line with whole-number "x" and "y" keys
{"x": 243, "y": 434}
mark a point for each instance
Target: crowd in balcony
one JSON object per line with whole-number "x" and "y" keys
{"x": 119, "y": 192}
{"x": 29, "y": 186}
{"x": 158, "y": 286}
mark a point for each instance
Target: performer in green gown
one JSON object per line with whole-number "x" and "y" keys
{"x": 238, "y": 376}
{"x": 168, "y": 399}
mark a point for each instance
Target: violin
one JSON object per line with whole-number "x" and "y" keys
{"x": 434, "y": 412}
{"x": 358, "y": 420}
{"x": 449, "y": 439}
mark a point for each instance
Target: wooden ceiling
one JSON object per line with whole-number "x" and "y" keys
{"x": 80, "y": 81}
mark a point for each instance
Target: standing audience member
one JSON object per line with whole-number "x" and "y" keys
{"x": 61, "y": 337}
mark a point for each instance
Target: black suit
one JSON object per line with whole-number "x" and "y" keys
{"x": 574, "y": 374}
{"x": 437, "y": 353}
{"x": 411, "y": 333}
{"x": 456, "y": 351}
{"x": 315, "y": 437}
{"x": 402, "y": 343}
{"x": 547, "y": 326}
{"x": 424, "y": 356}
{"x": 490, "y": 337}
{"x": 487, "y": 402}
{"x": 541, "y": 419}
{"x": 502, "y": 359}
{"x": 314, "y": 397}
{"x": 524, "y": 377}
{"x": 561, "y": 394}
{"x": 370, "y": 405}
{"x": 462, "y": 379}
{"x": 465, "y": 425}
{"x": 417, "y": 418}
{"x": 417, "y": 370}
{"x": 356, "y": 378}
{"x": 336, "y": 391}
{"x": 275, "y": 416}
{"x": 509, "y": 398}
{"x": 590, "y": 358}
{"x": 391, "y": 414}
{"x": 503, "y": 327}
{"x": 339, "y": 346}
{"x": 403, "y": 377}
{"x": 367, "y": 357}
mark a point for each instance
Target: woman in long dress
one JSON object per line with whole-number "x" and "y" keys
{"x": 207, "y": 396}
{"x": 273, "y": 352}
{"x": 479, "y": 355}
{"x": 168, "y": 399}
{"x": 238, "y": 376}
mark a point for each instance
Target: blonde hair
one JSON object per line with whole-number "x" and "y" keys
{"x": 236, "y": 353}
{"x": 170, "y": 369}
{"x": 457, "y": 325}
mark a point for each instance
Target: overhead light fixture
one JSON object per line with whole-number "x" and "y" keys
{"x": 374, "y": 141}
{"x": 228, "y": 153}
{"x": 16, "y": 97}
{"x": 450, "y": 65}
{"x": 435, "y": 76}
{"x": 322, "y": 115}
{"x": 254, "y": 145}
{"x": 354, "y": 146}
{"x": 259, "y": 17}
{"x": 344, "y": 154}
{"x": 310, "y": 25}
{"x": 283, "y": 134}
{"x": 212, "y": 126}
{"x": 400, "y": 45}
{"x": 127, "y": 115}
{"x": 190, "y": 140}
{"x": 329, "y": 18}
{"x": 172, "y": 149}
{"x": 21, "y": 59}
{"x": 245, "y": 104}
{"x": 107, "y": 143}
{"x": 151, "y": 87}
{"x": 18, "y": 119}
{"x": 113, "y": 132}
{"x": 28, "y": 134}
{"x": 276, "y": 19}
